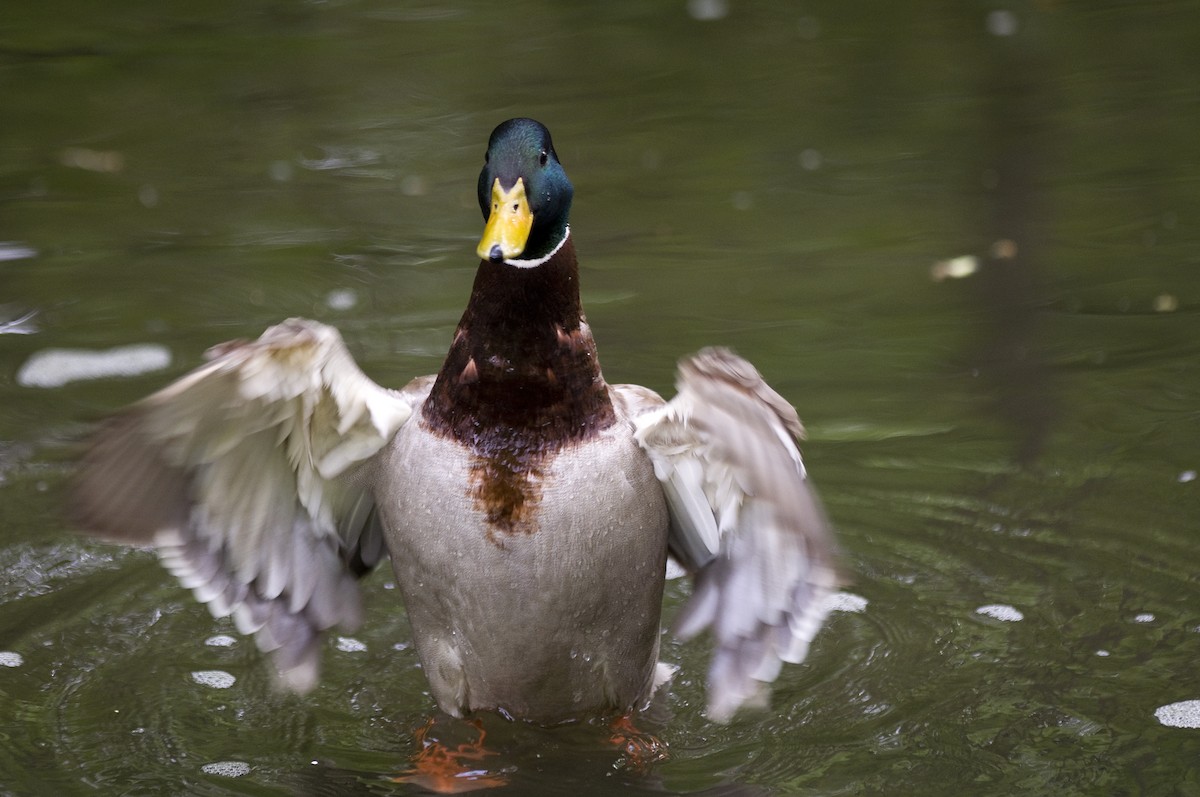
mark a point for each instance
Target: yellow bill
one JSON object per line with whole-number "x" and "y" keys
{"x": 508, "y": 224}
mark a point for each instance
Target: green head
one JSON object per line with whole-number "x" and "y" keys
{"x": 524, "y": 193}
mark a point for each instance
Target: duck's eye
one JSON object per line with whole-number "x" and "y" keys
{"x": 487, "y": 156}
{"x": 543, "y": 157}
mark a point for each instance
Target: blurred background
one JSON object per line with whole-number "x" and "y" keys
{"x": 962, "y": 238}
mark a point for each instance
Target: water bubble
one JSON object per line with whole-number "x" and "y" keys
{"x": 221, "y": 641}
{"x": 707, "y": 10}
{"x": 280, "y": 171}
{"x": 414, "y": 185}
{"x": 341, "y": 299}
{"x": 1002, "y": 22}
{"x": 350, "y": 645}
{"x": 1187, "y": 476}
{"x": 1144, "y": 617}
{"x": 10, "y": 658}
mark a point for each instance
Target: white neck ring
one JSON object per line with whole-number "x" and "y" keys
{"x": 541, "y": 260}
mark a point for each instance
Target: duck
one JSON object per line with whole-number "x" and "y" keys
{"x": 531, "y": 511}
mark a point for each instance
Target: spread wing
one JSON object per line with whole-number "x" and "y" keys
{"x": 249, "y": 476}
{"x": 744, "y": 519}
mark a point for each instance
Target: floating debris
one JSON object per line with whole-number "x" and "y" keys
{"x": 148, "y": 196}
{"x": 955, "y": 268}
{"x": 92, "y": 160}
{"x": 1002, "y": 612}
{"x": 57, "y": 367}
{"x": 11, "y": 250}
{"x": 810, "y": 160}
{"x": 1004, "y": 249}
{"x": 1165, "y": 303}
{"x": 414, "y": 185}
{"x": 707, "y": 10}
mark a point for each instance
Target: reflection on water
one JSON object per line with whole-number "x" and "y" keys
{"x": 1009, "y": 456}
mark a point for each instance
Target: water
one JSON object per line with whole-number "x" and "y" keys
{"x": 774, "y": 177}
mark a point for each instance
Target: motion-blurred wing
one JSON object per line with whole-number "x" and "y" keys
{"x": 247, "y": 476}
{"x": 744, "y": 519}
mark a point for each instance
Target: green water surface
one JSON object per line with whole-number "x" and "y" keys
{"x": 778, "y": 177}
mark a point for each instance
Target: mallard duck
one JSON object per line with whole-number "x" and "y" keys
{"x": 527, "y": 506}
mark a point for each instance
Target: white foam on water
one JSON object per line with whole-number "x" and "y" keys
{"x": 1184, "y": 714}
{"x": 1002, "y": 612}
{"x": 226, "y": 769}
{"x": 217, "y": 679}
{"x": 10, "y": 658}
{"x": 58, "y": 367}
{"x": 846, "y": 602}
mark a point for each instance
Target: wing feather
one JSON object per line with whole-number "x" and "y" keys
{"x": 745, "y": 521}
{"x": 248, "y": 475}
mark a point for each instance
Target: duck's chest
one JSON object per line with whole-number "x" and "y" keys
{"x": 511, "y": 518}
{"x": 531, "y": 585}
